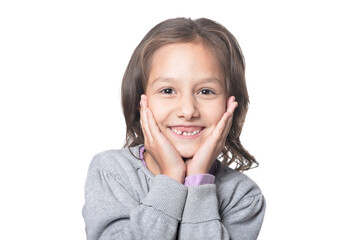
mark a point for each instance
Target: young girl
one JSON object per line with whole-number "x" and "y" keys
{"x": 184, "y": 99}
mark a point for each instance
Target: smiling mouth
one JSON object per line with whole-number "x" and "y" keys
{"x": 186, "y": 131}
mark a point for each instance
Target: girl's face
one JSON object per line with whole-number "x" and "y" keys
{"x": 186, "y": 92}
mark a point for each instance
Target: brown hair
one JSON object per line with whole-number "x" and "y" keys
{"x": 228, "y": 52}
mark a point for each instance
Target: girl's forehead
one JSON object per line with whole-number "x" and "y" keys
{"x": 167, "y": 80}
{"x": 185, "y": 60}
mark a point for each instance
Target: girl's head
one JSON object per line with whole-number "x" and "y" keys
{"x": 188, "y": 69}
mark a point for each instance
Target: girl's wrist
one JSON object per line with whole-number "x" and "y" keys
{"x": 196, "y": 173}
{"x": 178, "y": 173}
{"x": 197, "y": 170}
{"x": 179, "y": 177}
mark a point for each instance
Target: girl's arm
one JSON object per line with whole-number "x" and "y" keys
{"x": 118, "y": 207}
{"x": 233, "y": 208}
{"x": 233, "y": 211}
{"x": 212, "y": 147}
{"x": 169, "y": 161}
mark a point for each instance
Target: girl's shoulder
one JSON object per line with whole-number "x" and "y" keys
{"x": 118, "y": 171}
{"x": 229, "y": 180}
{"x": 117, "y": 162}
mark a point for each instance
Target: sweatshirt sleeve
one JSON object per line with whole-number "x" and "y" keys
{"x": 205, "y": 218}
{"x": 112, "y": 211}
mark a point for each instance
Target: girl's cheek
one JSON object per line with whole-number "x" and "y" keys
{"x": 151, "y": 105}
{"x": 215, "y": 111}
{"x": 158, "y": 109}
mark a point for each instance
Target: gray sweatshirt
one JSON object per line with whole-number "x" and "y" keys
{"x": 124, "y": 200}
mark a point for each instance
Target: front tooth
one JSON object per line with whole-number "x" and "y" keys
{"x": 185, "y": 133}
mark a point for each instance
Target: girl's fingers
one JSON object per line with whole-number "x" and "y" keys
{"x": 225, "y": 123}
{"x": 141, "y": 117}
{"x": 231, "y": 107}
{"x": 222, "y": 124}
{"x": 153, "y": 127}
{"x": 230, "y": 100}
{"x": 144, "y": 119}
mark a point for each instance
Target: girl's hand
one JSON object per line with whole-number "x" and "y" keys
{"x": 214, "y": 144}
{"x": 168, "y": 159}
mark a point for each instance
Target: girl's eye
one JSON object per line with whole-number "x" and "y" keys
{"x": 206, "y": 91}
{"x": 167, "y": 91}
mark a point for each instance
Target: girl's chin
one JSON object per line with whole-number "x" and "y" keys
{"x": 186, "y": 158}
{"x": 186, "y": 153}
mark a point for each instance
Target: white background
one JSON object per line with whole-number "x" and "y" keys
{"x": 61, "y": 65}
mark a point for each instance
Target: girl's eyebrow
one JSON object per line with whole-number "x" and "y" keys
{"x": 211, "y": 79}
{"x": 162, "y": 79}
{"x": 204, "y": 80}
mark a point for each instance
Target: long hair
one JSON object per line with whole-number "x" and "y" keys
{"x": 229, "y": 54}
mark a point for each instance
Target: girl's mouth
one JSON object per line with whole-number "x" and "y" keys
{"x": 186, "y": 132}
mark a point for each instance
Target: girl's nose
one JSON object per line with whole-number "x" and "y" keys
{"x": 187, "y": 108}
